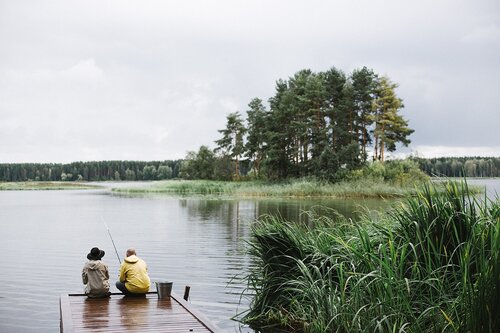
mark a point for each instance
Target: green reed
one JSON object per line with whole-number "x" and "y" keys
{"x": 293, "y": 188}
{"x": 430, "y": 265}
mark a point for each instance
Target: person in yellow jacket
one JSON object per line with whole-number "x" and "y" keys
{"x": 134, "y": 278}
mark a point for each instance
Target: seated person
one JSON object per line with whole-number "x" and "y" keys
{"x": 95, "y": 275}
{"x": 134, "y": 279}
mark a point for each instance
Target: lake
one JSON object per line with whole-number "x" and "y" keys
{"x": 198, "y": 242}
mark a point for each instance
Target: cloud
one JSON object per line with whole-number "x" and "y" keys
{"x": 85, "y": 80}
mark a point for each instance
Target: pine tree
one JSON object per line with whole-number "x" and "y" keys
{"x": 278, "y": 134}
{"x": 363, "y": 90}
{"x": 390, "y": 126}
{"x": 256, "y": 122}
{"x": 231, "y": 144}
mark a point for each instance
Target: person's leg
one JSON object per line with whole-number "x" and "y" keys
{"x": 121, "y": 286}
{"x": 125, "y": 291}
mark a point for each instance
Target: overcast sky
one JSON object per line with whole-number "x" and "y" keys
{"x": 151, "y": 80}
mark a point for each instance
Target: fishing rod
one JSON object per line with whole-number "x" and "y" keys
{"x": 112, "y": 241}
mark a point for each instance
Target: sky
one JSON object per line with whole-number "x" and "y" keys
{"x": 151, "y": 80}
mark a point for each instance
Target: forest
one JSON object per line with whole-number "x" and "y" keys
{"x": 321, "y": 124}
{"x": 460, "y": 166}
{"x": 159, "y": 170}
{"x": 89, "y": 171}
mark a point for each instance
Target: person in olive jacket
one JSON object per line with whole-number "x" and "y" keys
{"x": 95, "y": 275}
{"x": 134, "y": 278}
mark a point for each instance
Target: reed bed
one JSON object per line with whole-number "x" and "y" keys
{"x": 367, "y": 188}
{"x": 430, "y": 265}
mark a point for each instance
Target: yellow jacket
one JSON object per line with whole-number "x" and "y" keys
{"x": 134, "y": 273}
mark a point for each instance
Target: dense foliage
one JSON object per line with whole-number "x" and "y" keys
{"x": 317, "y": 124}
{"x": 395, "y": 172}
{"x": 89, "y": 171}
{"x": 431, "y": 265}
{"x": 460, "y": 166}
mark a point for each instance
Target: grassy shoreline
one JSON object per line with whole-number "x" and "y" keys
{"x": 291, "y": 189}
{"x": 299, "y": 188}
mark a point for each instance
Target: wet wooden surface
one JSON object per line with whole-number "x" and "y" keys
{"x": 131, "y": 314}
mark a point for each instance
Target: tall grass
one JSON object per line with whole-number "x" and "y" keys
{"x": 431, "y": 265}
{"x": 293, "y": 188}
{"x": 35, "y": 185}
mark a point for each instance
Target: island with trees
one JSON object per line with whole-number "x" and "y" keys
{"x": 320, "y": 129}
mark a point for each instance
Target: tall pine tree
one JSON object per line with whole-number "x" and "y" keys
{"x": 231, "y": 144}
{"x": 256, "y": 122}
{"x": 390, "y": 126}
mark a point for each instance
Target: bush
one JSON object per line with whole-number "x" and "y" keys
{"x": 397, "y": 172}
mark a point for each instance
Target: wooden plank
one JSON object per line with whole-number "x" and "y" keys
{"x": 134, "y": 314}
{"x": 66, "y": 323}
{"x": 197, "y": 314}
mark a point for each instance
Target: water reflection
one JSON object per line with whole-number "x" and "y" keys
{"x": 133, "y": 312}
{"x": 190, "y": 241}
{"x": 95, "y": 315}
{"x": 234, "y": 211}
{"x": 164, "y": 304}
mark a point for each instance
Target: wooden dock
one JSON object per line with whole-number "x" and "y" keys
{"x": 119, "y": 313}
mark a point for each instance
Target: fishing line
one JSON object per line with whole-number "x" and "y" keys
{"x": 112, "y": 241}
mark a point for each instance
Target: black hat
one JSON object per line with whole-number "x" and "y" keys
{"x": 95, "y": 254}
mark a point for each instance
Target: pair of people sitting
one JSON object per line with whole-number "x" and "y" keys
{"x": 133, "y": 279}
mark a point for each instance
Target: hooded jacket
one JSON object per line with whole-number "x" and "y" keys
{"x": 95, "y": 277}
{"x": 134, "y": 273}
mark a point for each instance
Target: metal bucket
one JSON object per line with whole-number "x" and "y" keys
{"x": 164, "y": 289}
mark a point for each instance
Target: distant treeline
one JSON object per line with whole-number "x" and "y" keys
{"x": 90, "y": 171}
{"x": 158, "y": 170}
{"x": 460, "y": 166}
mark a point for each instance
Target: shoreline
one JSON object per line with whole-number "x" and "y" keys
{"x": 294, "y": 189}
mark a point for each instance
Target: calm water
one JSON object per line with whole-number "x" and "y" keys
{"x": 46, "y": 236}
{"x": 491, "y": 186}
